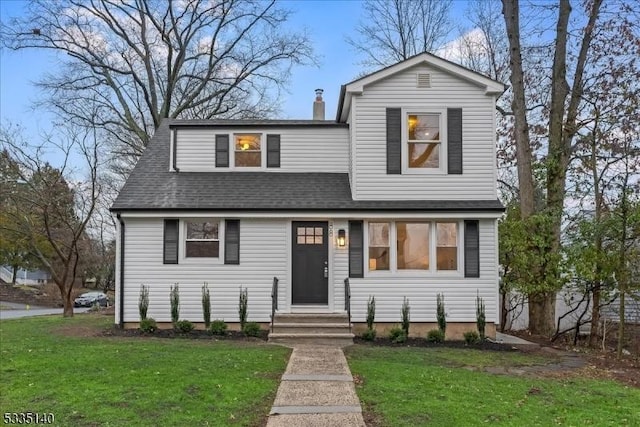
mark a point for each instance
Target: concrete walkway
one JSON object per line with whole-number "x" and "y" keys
{"x": 510, "y": 339}
{"x": 316, "y": 390}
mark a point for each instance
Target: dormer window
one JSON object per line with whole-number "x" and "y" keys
{"x": 424, "y": 140}
{"x": 248, "y": 150}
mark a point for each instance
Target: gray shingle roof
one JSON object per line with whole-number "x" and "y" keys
{"x": 151, "y": 186}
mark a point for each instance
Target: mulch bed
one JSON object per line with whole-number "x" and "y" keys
{"x": 195, "y": 334}
{"x": 423, "y": 343}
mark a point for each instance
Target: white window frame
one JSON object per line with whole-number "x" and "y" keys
{"x": 183, "y": 242}
{"x": 442, "y": 169}
{"x": 433, "y": 236}
{"x": 263, "y": 151}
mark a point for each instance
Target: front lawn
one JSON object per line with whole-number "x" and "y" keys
{"x": 54, "y": 365}
{"x": 447, "y": 387}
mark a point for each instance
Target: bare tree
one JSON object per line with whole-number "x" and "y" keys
{"x": 394, "y": 30}
{"x": 128, "y": 65}
{"x": 56, "y": 204}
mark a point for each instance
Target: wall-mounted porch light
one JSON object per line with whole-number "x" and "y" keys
{"x": 342, "y": 238}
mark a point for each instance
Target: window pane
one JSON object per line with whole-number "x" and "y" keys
{"x": 413, "y": 246}
{"x": 202, "y": 230}
{"x": 318, "y": 231}
{"x": 378, "y": 258}
{"x": 447, "y": 251}
{"x": 248, "y": 159}
{"x": 309, "y": 240}
{"x": 424, "y": 127}
{"x": 300, "y": 231}
{"x": 202, "y": 249}
{"x": 301, "y": 240}
{"x": 318, "y": 240}
{"x": 247, "y": 150}
{"x": 378, "y": 246}
{"x": 424, "y": 155}
{"x": 379, "y": 234}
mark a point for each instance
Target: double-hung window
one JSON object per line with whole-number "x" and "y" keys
{"x": 424, "y": 140}
{"x": 248, "y": 150}
{"x": 202, "y": 239}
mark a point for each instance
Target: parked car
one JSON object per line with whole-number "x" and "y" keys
{"x": 89, "y": 299}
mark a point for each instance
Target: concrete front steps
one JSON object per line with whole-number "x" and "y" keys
{"x": 311, "y": 328}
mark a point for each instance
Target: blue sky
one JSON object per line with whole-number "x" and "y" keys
{"x": 328, "y": 23}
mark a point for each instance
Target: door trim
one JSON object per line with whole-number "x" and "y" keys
{"x": 312, "y": 290}
{"x": 288, "y": 307}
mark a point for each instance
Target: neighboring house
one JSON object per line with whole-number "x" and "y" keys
{"x": 397, "y": 194}
{"x": 24, "y": 276}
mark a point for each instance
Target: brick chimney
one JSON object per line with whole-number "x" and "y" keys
{"x": 318, "y": 106}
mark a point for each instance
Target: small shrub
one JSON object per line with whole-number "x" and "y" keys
{"x": 481, "y": 319}
{"x": 471, "y": 337}
{"x": 184, "y": 326}
{"x": 440, "y": 314}
{"x": 435, "y": 336}
{"x": 206, "y": 305}
{"x": 174, "y": 299}
{"x": 371, "y": 312}
{"x": 143, "y": 302}
{"x": 369, "y": 334}
{"x": 405, "y": 316}
{"x": 242, "y": 306}
{"x": 397, "y": 335}
{"x": 148, "y": 325}
{"x": 251, "y": 329}
{"x": 218, "y": 327}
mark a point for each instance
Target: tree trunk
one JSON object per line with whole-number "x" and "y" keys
{"x": 14, "y": 274}
{"x": 503, "y": 311}
{"x": 511, "y": 13}
{"x": 542, "y": 313}
{"x": 67, "y": 303}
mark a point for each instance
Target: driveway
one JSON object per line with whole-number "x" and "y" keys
{"x": 12, "y": 310}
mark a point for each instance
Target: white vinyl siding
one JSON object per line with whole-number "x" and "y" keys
{"x": 399, "y": 91}
{"x": 421, "y": 290}
{"x": 263, "y": 255}
{"x": 304, "y": 149}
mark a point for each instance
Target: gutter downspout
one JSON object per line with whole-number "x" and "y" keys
{"x": 121, "y": 290}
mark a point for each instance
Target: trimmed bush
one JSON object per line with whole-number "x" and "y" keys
{"x": 143, "y": 302}
{"x": 174, "y": 299}
{"x": 471, "y": 337}
{"x": 371, "y": 312}
{"x": 251, "y": 329}
{"x": 369, "y": 334}
{"x": 481, "y": 319}
{"x": 218, "y": 327}
{"x": 148, "y": 325}
{"x": 435, "y": 336}
{"x": 440, "y": 314}
{"x": 184, "y": 326}
{"x": 405, "y": 316}
{"x": 206, "y": 305}
{"x": 243, "y": 303}
{"x": 397, "y": 335}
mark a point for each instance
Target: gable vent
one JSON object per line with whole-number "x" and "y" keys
{"x": 424, "y": 80}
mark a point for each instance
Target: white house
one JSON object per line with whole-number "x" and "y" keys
{"x": 397, "y": 195}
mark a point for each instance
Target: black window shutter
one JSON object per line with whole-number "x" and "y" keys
{"x": 273, "y": 151}
{"x": 356, "y": 249}
{"x": 232, "y": 241}
{"x": 454, "y": 140}
{"x": 222, "y": 151}
{"x": 170, "y": 246}
{"x": 394, "y": 140}
{"x": 471, "y": 249}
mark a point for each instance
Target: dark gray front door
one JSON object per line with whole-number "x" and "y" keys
{"x": 310, "y": 263}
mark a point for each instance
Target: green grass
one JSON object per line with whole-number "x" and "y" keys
{"x": 432, "y": 387}
{"x": 115, "y": 381}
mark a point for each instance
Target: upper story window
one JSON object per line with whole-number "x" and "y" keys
{"x": 202, "y": 239}
{"x": 424, "y": 140}
{"x": 248, "y": 150}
